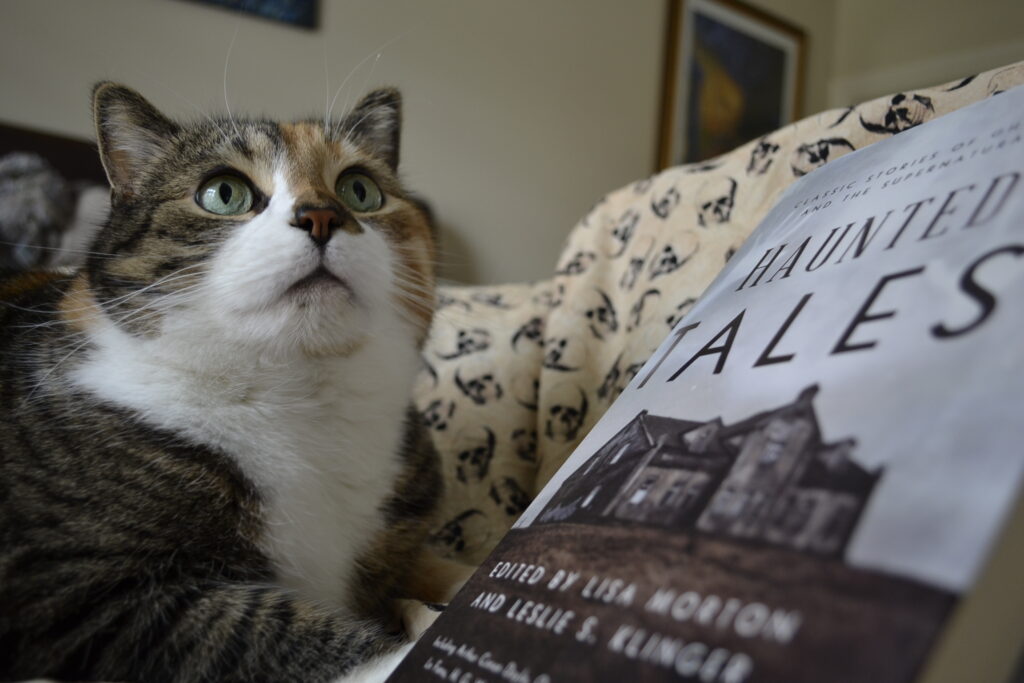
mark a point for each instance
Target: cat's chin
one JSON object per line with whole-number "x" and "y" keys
{"x": 315, "y": 316}
{"x": 320, "y": 286}
{"x": 299, "y": 329}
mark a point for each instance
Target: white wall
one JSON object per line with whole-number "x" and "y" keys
{"x": 861, "y": 49}
{"x": 884, "y": 46}
{"x": 519, "y": 115}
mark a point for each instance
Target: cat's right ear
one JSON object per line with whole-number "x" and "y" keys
{"x": 130, "y": 133}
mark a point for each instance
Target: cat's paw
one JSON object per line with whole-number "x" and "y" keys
{"x": 376, "y": 670}
{"x": 417, "y": 616}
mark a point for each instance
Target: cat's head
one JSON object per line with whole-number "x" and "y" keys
{"x": 291, "y": 236}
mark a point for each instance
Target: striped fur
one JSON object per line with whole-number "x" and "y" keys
{"x": 207, "y": 473}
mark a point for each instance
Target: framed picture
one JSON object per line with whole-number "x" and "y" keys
{"x": 732, "y": 74}
{"x": 296, "y": 12}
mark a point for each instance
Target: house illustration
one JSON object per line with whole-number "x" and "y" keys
{"x": 770, "y": 478}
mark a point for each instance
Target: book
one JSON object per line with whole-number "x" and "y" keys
{"x": 809, "y": 479}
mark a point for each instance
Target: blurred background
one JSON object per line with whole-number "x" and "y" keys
{"x": 519, "y": 115}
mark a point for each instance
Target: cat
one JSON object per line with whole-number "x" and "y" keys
{"x": 209, "y": 466}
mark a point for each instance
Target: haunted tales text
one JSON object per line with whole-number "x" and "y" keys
{"x": 968, "y": 208}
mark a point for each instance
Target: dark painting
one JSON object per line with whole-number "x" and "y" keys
{"x": 298, "y": 12}
{"x": 732, "y": 74}
{"x": 736, "y": 89}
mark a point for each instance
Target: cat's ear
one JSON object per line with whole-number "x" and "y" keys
{"x": 376, "y": 124}
{"x": 130, "y": 133}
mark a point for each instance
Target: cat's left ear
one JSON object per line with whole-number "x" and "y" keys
{"x": 130, "y": 133}
{"x": 376, "y": 124}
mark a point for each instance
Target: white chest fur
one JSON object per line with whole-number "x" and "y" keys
{"x": 318, "y": 437}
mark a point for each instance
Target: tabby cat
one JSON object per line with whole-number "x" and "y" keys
{"x": 209, "y": 469}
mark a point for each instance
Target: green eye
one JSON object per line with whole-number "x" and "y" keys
{"x": 225, "y": 195}
{"x": 359, "y": 192}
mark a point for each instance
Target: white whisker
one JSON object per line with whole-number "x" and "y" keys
{"x": 380, "y": 49}
{"x": 327, "y": 85}
{"x": 227, "y": 59}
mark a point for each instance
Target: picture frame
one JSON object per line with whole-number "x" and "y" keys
{"x": 299, "y": 13}
{"x": 732, "y": 73}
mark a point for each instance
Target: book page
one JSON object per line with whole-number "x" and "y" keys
{"x": 809, "y": 473}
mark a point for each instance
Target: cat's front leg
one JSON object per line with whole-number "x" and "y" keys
{"x": 377, "y": 670}
{"x": 238, "y": 633}
{"x": 432, "y": 583}
{"x": 416, "y": 616}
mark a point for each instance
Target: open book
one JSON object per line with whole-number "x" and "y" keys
{"x": 809, "y": 479}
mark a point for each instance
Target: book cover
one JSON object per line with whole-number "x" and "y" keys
{"x": 807, "y": 476}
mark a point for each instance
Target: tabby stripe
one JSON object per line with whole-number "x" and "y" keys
{"x": 95, "y": 644}
{"x": 201, "y": 623}
{"x": 88, "y": 609}
{"x": 142, "y": 226}
{"x": 178, "y": 642}
{"x": 239, "y": 641}
{"x": 282, "y": 617}
{"x": 132, "y": 639}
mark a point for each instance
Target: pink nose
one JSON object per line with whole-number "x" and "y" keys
{"x": 319, "y": 223}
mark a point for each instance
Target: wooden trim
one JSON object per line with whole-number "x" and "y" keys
{"x": 668, "y": 84}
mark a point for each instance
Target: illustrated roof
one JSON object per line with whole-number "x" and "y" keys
{"x": 665, "y": 429}
{"x": 837, "y": 472}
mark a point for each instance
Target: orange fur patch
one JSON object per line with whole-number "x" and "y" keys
{"x": 21, "y": 283}
{"x": 310, "y": 156}
{"x": 416, "y": 283}
{"x": 78, "y": 307}
{"x": 313, "y": 161}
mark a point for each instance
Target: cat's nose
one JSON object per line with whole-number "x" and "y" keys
{"x": 320, "y": 223}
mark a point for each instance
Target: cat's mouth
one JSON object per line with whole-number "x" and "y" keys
{"x": 319, "y": 279}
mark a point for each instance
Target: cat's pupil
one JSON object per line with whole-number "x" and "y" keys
{"x": 360, "y": 190}
{"x": 225, "y": 192}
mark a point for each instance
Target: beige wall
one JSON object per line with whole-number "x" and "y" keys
{"x": 519, "y": 114}
{"x": 860, "y": 49}
{"x": 884, "y": 46}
